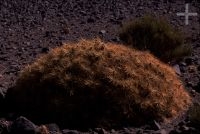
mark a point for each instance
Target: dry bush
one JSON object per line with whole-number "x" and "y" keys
{"x": 97, "y": 84}
{"x": 157, "y": 36}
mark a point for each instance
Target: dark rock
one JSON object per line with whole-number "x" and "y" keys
{"x": 100, "y": 131}
{"x": 4, "y": 126}
{"x": 22, "y": 126}
{"x": 192, "y": 69}
{"x": 66, "y": 30}
{"x": 190, "y": 84}
{"x": 48, "y": 129}
{"x": 53, "y": 129}
{"x": 197, "y": 87}
{"x": 157, "y": 125}
{"x": 184, "y": 128}
{"x": 83, "y": 13}
{"x": 116, "y": 39}
{"x": 198, "y": 68}
{"x": 193, "y": 92}
{"x": 45, "y": 50}
{"x": 90, "y": 20}
{"x": 183, "y": 64}
{"x": 197, "y": 62}
{"x": 182, "y": 123}
{"x": 189, "y": 61}
{"x": 176, "y": 131}
{"x": 2, "y": 96}
{"x": 66, "y": 131}
{"x": 183, "y": 69}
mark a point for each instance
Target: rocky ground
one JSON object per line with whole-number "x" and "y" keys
{"x": 29, "y": 28}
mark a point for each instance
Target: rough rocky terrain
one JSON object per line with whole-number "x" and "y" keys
{"x": 29, "y": 28}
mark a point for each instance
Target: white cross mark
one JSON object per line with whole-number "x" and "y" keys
{"x": 186, "y": 14}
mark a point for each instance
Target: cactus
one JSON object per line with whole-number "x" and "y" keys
{"x": 96, "y": 84}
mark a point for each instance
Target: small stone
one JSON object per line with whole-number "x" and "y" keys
{"x": 90, "y": 20}
{"x": 177, "y": 69}
{"x": 45, "y": 49}
{"x": 53, "y": 128}
{"x": 157, "y": 124}
{"x": 115, "y": 39}
{"x": 23, "y": 126}
{"x": 82, "y": 22}
{"x": 101, "y": 131}
{"x": 2, "y": 96}
{"x": 42, "y": 130}
{"x": 183, "y": 64}
{"x": 185, "y": 128}
{"x": 198, "y": 68}
{"x": 4, "y": 126}
{"x": 190, "y": 84}
{"x": 66, "y": 30}
{"x": 176, "y": 131}
{"x": 193, "y": 91}
{"x": 189, "y": 61}
{"x": 66, "y": 131}
{"x": 192, "y": 69}
{"x": 15, "y": 48}
{"x": 183, "y": 69}
{"x": 2, "y": 70}
{"x": 140, "y": 8}
{"x": 197, "y": 62}
{"x": 28, "y": 43}
{"x": 83, "y": 13}
{"x": 197, "y": 87}
{"x": 102, "y": 32}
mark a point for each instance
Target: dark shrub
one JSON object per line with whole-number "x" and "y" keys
{"x": 155, "y": 35}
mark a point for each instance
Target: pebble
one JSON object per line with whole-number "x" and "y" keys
{"x": 192, "y": 69}
{"x": 102, "y": 32}
{"x": 183, "y": 64}
{"x": 100, "y": 131}
{"x": 193, "y": 92}
{"x": 177, "y": 69}
{"x": 198, "y": 68}
{"x": 197, "y": 87}
{"x": 67, "y": 131}
{"x": 157, "y": 125}
{"x": 90, "y": 20}
{"x": 83, "y": 13}
{"x": 189, "y": 61}
{"x": 190, "y": 84}
{"x": 45, "y": 49}
{"x": 53, "y": 128}
{"x": 4, "y": 126}
{"x": 23, "y": 126}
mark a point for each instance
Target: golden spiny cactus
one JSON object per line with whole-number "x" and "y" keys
{"x": 92, "y": 84}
